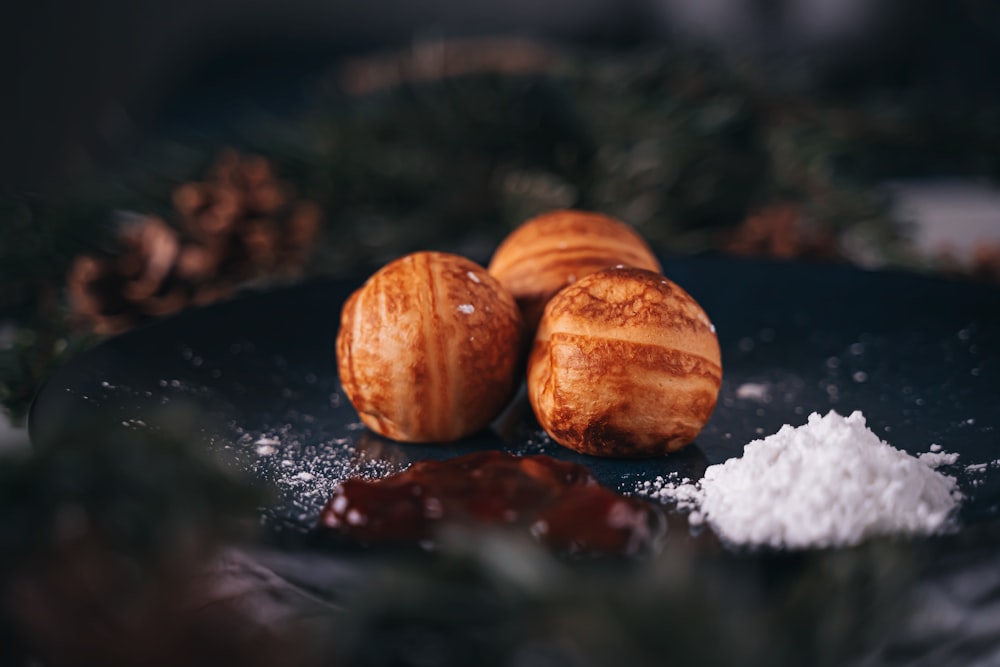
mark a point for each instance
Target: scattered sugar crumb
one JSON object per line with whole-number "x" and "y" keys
{"x": 754, "y": 391}
{"x": 938, "y": 459}
{"x": 466, "y": 308}
{"x": 304, "y": 468}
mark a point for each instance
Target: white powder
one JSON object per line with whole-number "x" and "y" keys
{"x": 830, "y": 482}
{"x": 303, "y": 468}
{"x": 938, "y": 459}
{"x": 976, "y": 472}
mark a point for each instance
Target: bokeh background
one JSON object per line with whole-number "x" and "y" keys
{"x": 84, "y": 84}
{"x": 861, "y": 132}
{"x": 156, "y": 156}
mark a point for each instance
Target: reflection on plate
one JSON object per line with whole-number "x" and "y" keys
{"x": 919, "y": 356}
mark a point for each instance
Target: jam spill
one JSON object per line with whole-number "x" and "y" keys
{"x": 558, "y": 503}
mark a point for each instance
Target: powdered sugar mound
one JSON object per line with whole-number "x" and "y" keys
{"x": 830, "y": 482}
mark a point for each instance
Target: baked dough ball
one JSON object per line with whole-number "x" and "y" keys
{"x": 551, "y": 251}
{"x": 624, "y": 364}
{"x": 428, "y": 348}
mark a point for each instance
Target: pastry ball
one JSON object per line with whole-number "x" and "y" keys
{"x": 428, "y": 348}
{"x": 556, "y": 249}
{"x": 624, "y": 364}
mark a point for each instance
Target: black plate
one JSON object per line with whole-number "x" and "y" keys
{"x": 919, "y": 356}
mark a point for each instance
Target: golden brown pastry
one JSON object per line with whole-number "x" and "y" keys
{"x": 556, "y": 249}
{"x": 428, "y": 348}
{"x": 624, "y": 364}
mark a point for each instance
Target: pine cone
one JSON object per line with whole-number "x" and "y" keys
{"x": 142, "y": 281}
{"x": 780, "y": 231}
{"x": 245, "y": 219}
{"x": 239, "y": 224}
{"x": 986, "y": 262}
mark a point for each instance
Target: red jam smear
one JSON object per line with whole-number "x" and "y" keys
{"x": 558, "y": 503}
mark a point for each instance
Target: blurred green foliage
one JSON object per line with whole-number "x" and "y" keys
{"x": 492, "y": 599}
{"x": 150, "y": 494}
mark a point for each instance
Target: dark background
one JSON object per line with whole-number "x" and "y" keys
{"x": 87, "y": 78}
{"x": 85, "y": 85}
{"x": 83, "y": 82}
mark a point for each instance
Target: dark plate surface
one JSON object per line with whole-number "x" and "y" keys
{"x": 920, "y": 357}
